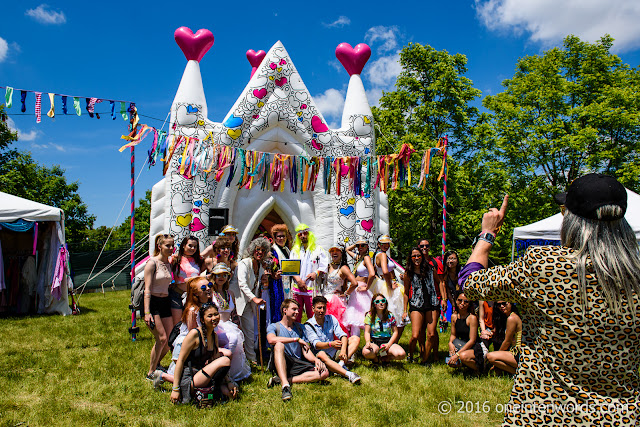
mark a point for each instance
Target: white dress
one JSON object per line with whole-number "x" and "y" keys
{"x": 239, "y": 369}
{"x": 395, "y": 297}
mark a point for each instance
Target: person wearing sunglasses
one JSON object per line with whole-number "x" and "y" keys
{"x": 464, "y": 333}
{"x": 229, "y": 234}
{"x": 223, "y": 298}
{"x": 381, "y": 333}
{"x": 421, "y": 298}
{"x": 359, "y": 301}
{"x": 579, "y": 305}
{"x": 436, "y": 265}
{"x": 201, "y": 362}
{"x": 313, "y": 264}
{"x": 248, "y": 294}
{"x": 198, "y": 293}
{"x": 280, "y": 287}
{"x": 508, "y": 330}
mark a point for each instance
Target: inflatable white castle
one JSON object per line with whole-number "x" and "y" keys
{"x": 274, "y": 114}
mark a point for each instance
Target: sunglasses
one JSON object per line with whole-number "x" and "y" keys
{"x": 423, "y": 246}
{"x": 204, "y": 287}
{"x": 360, "y": 245}
{"x": 416, "y": 256}
{"x": 380, "y": 301}
{"x": 466, "y": 301}
{"x": 280, "y": 236}
{"x": 502, "y": 303}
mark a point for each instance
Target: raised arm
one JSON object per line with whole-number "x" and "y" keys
{"x": 349, "y": 249}
{"x": 346, "y": 274}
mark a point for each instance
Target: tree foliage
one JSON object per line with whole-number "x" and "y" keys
{"x": 22, "y": 176}
{"x": 569, "y": 111}
{"x": 431, "y": 99}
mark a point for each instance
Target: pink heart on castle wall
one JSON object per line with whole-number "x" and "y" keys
{"x": 260, "y": 93}
{"x": 353, "y": 59}
{"x": 367, "y": 225}
{"x": 317, "y": 125}
{"x": 196, "y": 225}
{"x": 255, "y": 58}
{"x": 194, "y": 46}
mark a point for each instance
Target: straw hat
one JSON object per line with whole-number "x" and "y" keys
{"x": 221, "y": 268}
{"x": 384, "y": 239}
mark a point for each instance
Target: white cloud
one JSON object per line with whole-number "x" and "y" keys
{"x": 23, "y": 136}
{"x": 549, "y": 21}
{"x": 388, "y": 36}
{"x": 384, "y": 70}
{"x": 336, "y": 64}
{"x": 330, "y": 103}
{"x": 45, "y": 15}
{"x": 339, "y": 23}
{"x": 57, "y": 147}
{"x": 4, "y": 49}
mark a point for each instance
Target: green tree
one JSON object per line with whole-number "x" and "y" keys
{"x": 22, "y": 176}
{"x": 7, "y": 136}
{"x": 566, "y": 112}
{"x": 431, "y": 99}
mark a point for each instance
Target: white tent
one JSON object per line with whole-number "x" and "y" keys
{"x": 549, "y": 228}
{"x": 51, "y": 234}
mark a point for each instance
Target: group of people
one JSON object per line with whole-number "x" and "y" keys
{"x": 563, "y": 317}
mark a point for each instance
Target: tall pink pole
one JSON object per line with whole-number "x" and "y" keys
{"x": 444, "y": 201}
{"x": 133, "y": 239}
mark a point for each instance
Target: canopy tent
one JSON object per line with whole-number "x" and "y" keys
{"x": 547, "y": 231}
{"x": 46, "y": 244}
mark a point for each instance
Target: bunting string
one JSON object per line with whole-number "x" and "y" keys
{"x": 249, "y": 168}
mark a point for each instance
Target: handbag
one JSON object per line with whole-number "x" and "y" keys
{"x": 205, "y": 397}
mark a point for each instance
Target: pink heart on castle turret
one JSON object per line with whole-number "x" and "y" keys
{"x": 353, "y": 59}
{"x": 194, "y": 46}
{"x": 255, "y": 58}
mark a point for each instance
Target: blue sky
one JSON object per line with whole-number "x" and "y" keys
{"x": 126, "y": 51}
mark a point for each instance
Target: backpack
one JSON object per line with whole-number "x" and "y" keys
{"x": 137, "y": 292}
{"x": 175, "y": 332}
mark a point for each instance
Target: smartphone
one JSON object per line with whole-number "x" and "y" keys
{"x": 446, "y": 359}
{"x": 152, "y": 325}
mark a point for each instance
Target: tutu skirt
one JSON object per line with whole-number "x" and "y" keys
{"x": 337, "y": 307}
{"x": 358, "y": 305}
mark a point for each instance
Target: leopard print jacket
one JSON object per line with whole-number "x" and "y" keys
{"x": 576, "y": 367}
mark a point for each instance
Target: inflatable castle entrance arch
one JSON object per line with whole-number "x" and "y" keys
{"x": 274, "y": 114}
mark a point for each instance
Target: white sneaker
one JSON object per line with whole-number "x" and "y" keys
{"x": 341, "y": 363}
{"x": 353, "y": 377}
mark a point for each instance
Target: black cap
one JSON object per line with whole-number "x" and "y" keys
{"x": 589, "y": 192}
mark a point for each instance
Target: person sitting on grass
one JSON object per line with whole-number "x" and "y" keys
{"x": 198, "y": 293}
{"x": 200, "y": 363}
{"x": 327, "y": 337}
{"x": 510, "y": 326}
{"x": 464, "y": 333}
{"x": 381, "y": 333}
{"x": 292, "y": 361}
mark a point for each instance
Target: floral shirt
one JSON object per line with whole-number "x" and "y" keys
{"x": 379, "y": 328}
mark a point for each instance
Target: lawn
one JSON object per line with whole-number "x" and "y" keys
{"x": 85, "y": 370}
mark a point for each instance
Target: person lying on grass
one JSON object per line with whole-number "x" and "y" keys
{"x": 292, "y": 361}
{"x": 200, "y": 363}
{"x": 327, "y": 337}
{"x": 381, "y": 333}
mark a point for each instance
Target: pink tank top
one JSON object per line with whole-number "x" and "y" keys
{"x": 188, "y": 268}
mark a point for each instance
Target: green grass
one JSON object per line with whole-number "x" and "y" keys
{"x": 85, "y": 370}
